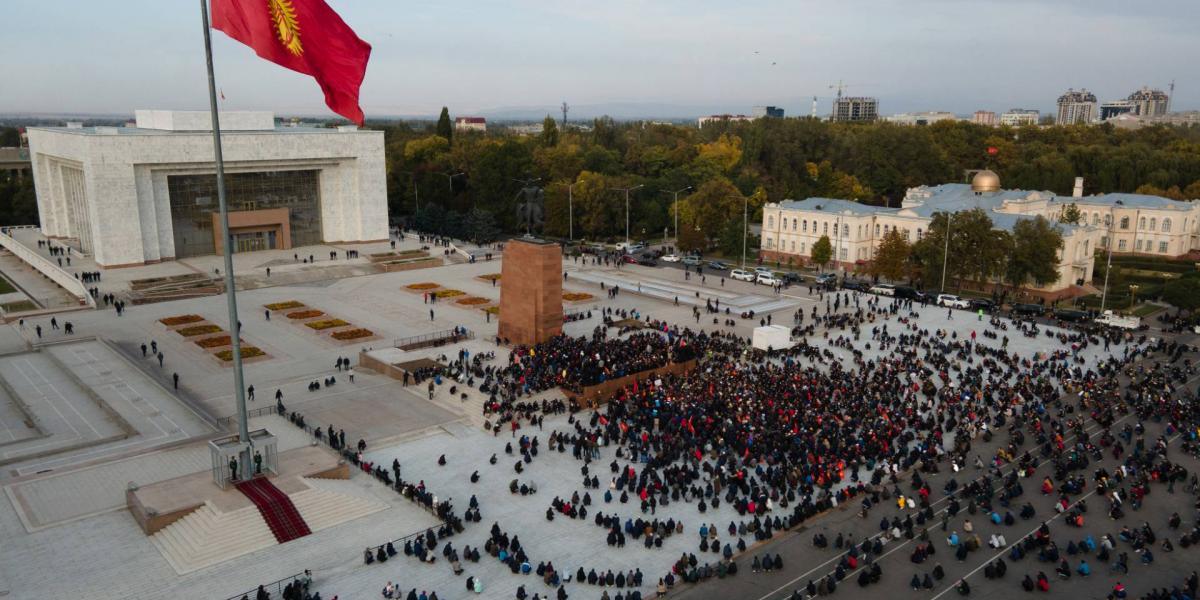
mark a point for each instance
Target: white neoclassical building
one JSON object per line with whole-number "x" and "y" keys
{"x": 142, "y": 194}
{"x": 1137, "y": 223}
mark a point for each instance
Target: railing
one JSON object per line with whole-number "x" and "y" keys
{"x": 42, "y": 264}
{"x": 275, "y": 588}
{"x": 398, "y": 541}
{"x": 435, "y": 338}
{"x": 250, "y": 414}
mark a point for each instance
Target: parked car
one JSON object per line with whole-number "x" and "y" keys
{"x": 671, "y": 258}
{"x": 768, "y": 278}
{"x": 691, "y": 261}
{"x": 741, "y": 275}
{"x": 1070, "y": 314}
{"x": 1032, "y": 310}
{"x": 826, "y": 280}
{"x": 952, "y": 301}
{"x": 883, "y": 289}
{"x": 792, "y": 278}
{"x": 982, "y": 304}
{"x": 857, "y": 285}
{"x": 717, "y": 265}
{"x": 628, "y": 259}
{"x": 909, "y": 293}
{"x": 763, "y": 270}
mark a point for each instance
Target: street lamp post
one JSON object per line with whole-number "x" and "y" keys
{"x": 416, "y": 200}
{"x": 570, "y": 207}
{"x": 627, "y": 190}
{"x": 745, "y": 226}
{"x": 946, "y": 251}
{"x": 450, "y": 178}
{"x": 1112, "y": 224}
{"x": 675, "y": 205}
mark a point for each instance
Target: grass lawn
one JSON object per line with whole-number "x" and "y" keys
{"x": 5, "y": 286}
{"x": 1145, "y": 310}
{"x": 18, "y": 306}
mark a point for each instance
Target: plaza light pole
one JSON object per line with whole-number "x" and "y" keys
{"x": 946, "y": 251}
{"x": 745, "y": 226}
{"x": 416, "y": 199}
{"x": 1112, "y": 224}
{"x": 627, "y": 190}
{"x": 450, "y": 178}
{"x": 675, "y": 205}
{"x": 570, "y": 207}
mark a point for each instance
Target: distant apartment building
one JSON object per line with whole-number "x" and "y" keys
{"x": 470, "y": 124}
{"x": 1149, "y": 103}
{"x": 1016, "y": 117}
{"x": 984, "y": 117}
{"x": 702, "y": 121}
{"x": 1077, "y": 107}
{"x": 1109, "y": 110}
{"x": 921, "y": 118}
{"x": 855, "y": 108}
{"x": 768, "y": 111}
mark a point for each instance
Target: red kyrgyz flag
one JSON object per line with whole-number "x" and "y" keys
{"x": 305, "y": 36}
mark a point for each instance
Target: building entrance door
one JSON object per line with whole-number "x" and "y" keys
{"x": 254, "y": 241}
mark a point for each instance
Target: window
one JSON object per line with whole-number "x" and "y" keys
{"x": 1107, "y": 220}
{"x": 919, "y": 233}
{"x": 793, "y": 245}
{"x": 1139, "y": 245}
{"x": 802, "y": 244}
{"x": 825, "y": 227}
{"x": 845, "y": 231}
{"x": 877, "y": 230}
{"x": 1166, "y": 225}
{"x": 843, "y": 255}
{"x": 1142, "y": 223}
{"x": 1104, "y": 242}
{"x": 770, "y": 243}
{"x": 1095, "y": 218}
{"x": 770, "y": 222}
{"x": 1124, "y": 222}
{"x": 1162, "y": 247}
{"x": 1120, "y": 245}
{"x": 805, "y": 225}
{"x": 794, "y": 224}
{"x": 1153, "y": 223}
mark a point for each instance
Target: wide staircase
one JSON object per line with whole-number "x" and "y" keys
{"x": 208, "y": 536}
{"x": 276, "y": 508}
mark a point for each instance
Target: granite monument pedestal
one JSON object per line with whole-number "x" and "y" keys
{"x": 531, "y": 291}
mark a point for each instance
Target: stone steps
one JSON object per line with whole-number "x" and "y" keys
{"x": 322, "y": 507}
{"x": 208, "y": 537}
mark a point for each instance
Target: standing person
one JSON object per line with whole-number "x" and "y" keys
{"x": 160, "y": 360}
{"x": 175, "y": 379}
{"x": 250, "y": 392}
{"x": 268, "y": 314}
{"x": 431, "y": 314}
{"x": 350, "y": 370}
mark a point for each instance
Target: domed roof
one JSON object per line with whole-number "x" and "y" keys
{"x": 985, "y": 181}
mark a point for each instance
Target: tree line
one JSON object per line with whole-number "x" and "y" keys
{"x": 726, "y": 169}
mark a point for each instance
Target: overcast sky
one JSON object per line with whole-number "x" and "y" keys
{"x": 956, "y": 55}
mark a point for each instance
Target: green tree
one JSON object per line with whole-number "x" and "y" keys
{"x": 10, "y": 137}
{"x": 549, "y": 135}
{"x": 712, "y": 206}
{"x": 444, "y": 127}
{"x": 1071, "y": 214}
{"x": 1183, "y": 293}
{"x": 731, "y": 238}
{"x": 480, "y": 226}
{"x": 891, "y": 258}
{"x": 1034, "y": 257}
{"x": 822, "y": 251}
{"x": 425, "y": 150}
{"x": 979, "y": 251}
{"x": 691, "y": 239}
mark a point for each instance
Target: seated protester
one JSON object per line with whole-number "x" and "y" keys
{"x": 1027, "y": 583}
{"x": 1084, "y": 569}
{"x": 964, "y": 588}
{"x": 1043, "y": 584}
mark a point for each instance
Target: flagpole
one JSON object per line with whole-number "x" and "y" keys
{"x": 227, "y": 247}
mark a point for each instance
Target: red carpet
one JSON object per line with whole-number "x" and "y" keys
{"x": 276, "y": 508}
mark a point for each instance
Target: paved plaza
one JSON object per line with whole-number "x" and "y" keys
{"x": 121, "y": 419}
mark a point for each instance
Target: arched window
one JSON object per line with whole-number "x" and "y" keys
{"x": 1142, "y": 223}
{"x": 825, "y": 227}
{"x": 793, "y": 245}
{"x": 845, "y": 231}
{"x": 805, "y": 225}
{"x": 1107, "y": 220}
{"x": 1166, "y": 225}
{"x": 1095, "y": 218}
{"x": 1153, "y": 223}
{"x": 1124, "y": 222}
{"x": 794, "y": 224}
{"x": 919, "y": 233}
{"x": 877, "y": 230}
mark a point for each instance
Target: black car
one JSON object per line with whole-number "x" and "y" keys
{"x": 1033, "y": 310}
{"x": 792, "y": 279}
{"x": 717, "y": 265}
{"x": 981, "y": 304}
{"x": 647, "y": 261}
{"x": 1070, "y": 314}
{"x": 855, "y": 284}
{"x": 908, "y": 293}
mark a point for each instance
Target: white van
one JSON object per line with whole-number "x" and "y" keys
{"x": 741, "y": 275}
{"x": 883, "y": 289}
{"x": 952, "y": 301}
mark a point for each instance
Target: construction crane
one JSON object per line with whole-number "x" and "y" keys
{"x": 839, "y": 87}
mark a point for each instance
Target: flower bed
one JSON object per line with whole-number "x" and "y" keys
{"x": 494, "y": 310}
{"x": 472, "y": 301}
{"x": 198, "y": 330}
{"x": 305, "y": 314}
{"x": 352, "y": 334}
{"x": 247, "y": 352}
{"x": 448, "y": 293}
{"x": 422, "y": 286}
{"x": 326, "y": 324}
{"x": 577, "y": 296}
{"x": 180, "y": 320}
{"x": 491, "y": 277}
{"x": 290, "y": 304}
{"x": 214, "y": 342}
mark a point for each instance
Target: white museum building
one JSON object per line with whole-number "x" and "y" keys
{"x": 1138, "y": 223}
{"x": 146, "y": 193}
